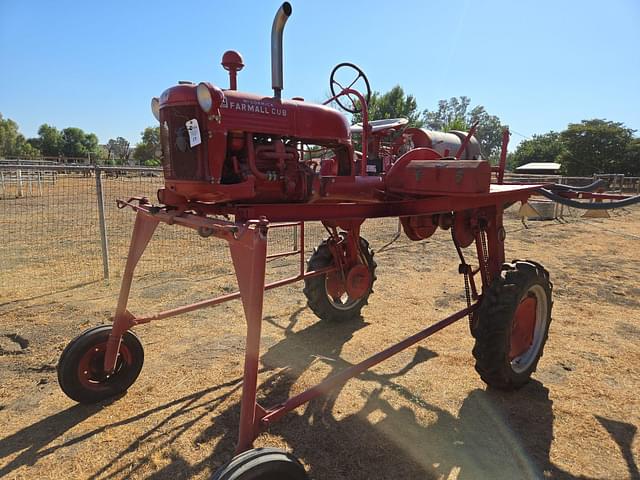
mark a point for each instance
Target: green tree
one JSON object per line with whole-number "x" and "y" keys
{"x": 540, "y": 148}
{"x": 149, "y": 146}
{"x": 631, "y": 160}
{"x": 49, "y": 141}
{"x": 12, "y": 142}
{"x": 595, "y": 146}
{"x": 118, "y": 148}
{"x": 455, "y": 114}
{"x": 392, "y": 104}
{"x": 451, "y": 115}
{"x": 77, "y": 143}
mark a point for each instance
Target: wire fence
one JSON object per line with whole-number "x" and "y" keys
{"x": 60, "y": 227}
{"x": 56, "y": 233}
{"x": 614, "y": 182}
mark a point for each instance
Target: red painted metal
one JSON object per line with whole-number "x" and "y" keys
{"x": 466, "y": 140}
{"x": 254, "y": 163}
{"x": 249, "y": 255}
{"x": 225, "y": 298}
{"x": 503, "y": 155}
{"x": 143, "y": 230}
{"x": 366, "y": 128}
{"x": 419, "y": 227}
{"x": 91, "y": 371}
{"x": 232, "y": 62}
{"x": 358, "y": 281}
{"x": 248, "y": 243}
{"x": 335, "y": 284}
{"x": 465, "y": 224}
{"x": 428, "y": 177}
{"x": 401, "y": 208}
{"x": 524, "y": 324}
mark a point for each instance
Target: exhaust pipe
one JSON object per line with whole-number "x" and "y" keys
{"x": 282, "y": 15}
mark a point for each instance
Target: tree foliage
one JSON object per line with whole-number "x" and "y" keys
{"x": 148, "y": 150}
{"x": 392, "y": 104}
{"x": 118, "y": 149}
{"x": 49, "y": 141}
{"x": 631, "y": 159}
{"x": 77, "y": 143}
{"x": 69, "y": 142}
{"x": 546, "y": 147}
{"x": 456, "y": 114}
{"x": 12, "y": 142}
{"x": 596, "y": 146}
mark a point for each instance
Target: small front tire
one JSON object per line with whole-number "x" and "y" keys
{"x": 81, "y": 373}
{"x": 331, "y": 307}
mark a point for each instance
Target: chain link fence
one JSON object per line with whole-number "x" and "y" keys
{"x": 58, "y": 232}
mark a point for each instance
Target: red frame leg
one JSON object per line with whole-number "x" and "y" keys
{"x": 249, "y": 255}
{"x": 495, "y": 240}
{"x": 143, "y": 230}
{"x": 490, "y": 244}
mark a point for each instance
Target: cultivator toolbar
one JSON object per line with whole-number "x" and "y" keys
{"x": 270, "y": 162}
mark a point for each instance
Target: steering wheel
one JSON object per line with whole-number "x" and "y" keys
{"x": 333, "y": 83}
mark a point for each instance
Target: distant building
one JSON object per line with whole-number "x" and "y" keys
{"x": 540, "y": 168}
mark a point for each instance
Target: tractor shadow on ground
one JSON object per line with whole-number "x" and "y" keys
{"x": 32, "y": 442}
{"x": 493, "y": 435}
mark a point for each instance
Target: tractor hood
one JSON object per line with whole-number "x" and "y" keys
{"x": 247, "y": 112}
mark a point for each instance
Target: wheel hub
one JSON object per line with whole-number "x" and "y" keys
{"x": 358, "y": 281}
{"x": 91, "y": 366}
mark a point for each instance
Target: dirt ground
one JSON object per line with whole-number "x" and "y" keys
{"x": 423, "y": 414}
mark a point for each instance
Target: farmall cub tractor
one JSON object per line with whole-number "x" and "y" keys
{"x": 269, "y": 162}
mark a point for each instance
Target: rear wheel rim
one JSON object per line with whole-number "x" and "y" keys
{"x": 528, "y": 330}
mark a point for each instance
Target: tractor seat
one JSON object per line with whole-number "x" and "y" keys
{"x": 380, "y": 125}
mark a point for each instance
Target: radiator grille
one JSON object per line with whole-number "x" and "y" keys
{"x": 180, "y": 160}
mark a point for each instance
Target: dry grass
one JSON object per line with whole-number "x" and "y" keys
{"x": 422, "y": 414}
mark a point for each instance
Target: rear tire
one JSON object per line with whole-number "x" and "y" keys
{"x": 262, "y": 464}
{"x": 511, "y": 325}
{"x": 315, "y": 288}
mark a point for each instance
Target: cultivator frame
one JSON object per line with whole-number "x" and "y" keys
{"x": 247, "y": 242}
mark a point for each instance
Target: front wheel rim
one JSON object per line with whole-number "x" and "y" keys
{"x": 90, "y": 367}
{"x": 340, "y": 300}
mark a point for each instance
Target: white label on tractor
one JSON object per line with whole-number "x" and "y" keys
{"x": 194, "y": 132}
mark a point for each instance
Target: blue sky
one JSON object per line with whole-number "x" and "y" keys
{"x": 538, "y": 65}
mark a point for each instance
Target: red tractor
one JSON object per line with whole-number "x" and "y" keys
{"x": 269, "y": 162}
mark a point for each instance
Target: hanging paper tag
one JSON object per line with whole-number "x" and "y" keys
{"x": 194, "y": 132}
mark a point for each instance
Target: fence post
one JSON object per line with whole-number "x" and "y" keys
{"x": 103, "y": 224}
{"x": 39, "y": 183}
{"x": 19, "y": 192}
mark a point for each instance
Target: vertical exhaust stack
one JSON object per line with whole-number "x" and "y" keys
{"x": 282, "y": 15}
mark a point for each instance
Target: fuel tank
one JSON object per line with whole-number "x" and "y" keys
{"x": 445, "y": 143}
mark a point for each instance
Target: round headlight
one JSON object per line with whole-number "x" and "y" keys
{"x": 155, "y": 107}
{"x": 204, "y": 97}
